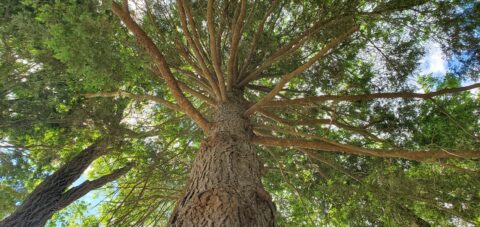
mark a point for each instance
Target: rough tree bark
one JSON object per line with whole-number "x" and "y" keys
{"x": 52, "y": 195}
{"x": 225, "y": 187}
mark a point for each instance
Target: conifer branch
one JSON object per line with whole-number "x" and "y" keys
{"x": 353, "y": 150}
{"x": 289, "y": 48}
{"x": 214, "y": 51}
{"x": 286, "y": 78}
{"x": 162, "y": 66}
{"x": 236, "y": 36}
{"x": 256, "y": 39}
{"x": 196, "y": 48}
{"x": 391, "y": 95}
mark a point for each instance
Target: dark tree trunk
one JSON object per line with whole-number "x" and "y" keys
{"x": 52, "y": 195}
{"x": 225, "y": 187}
{"x": 419, "y": 222}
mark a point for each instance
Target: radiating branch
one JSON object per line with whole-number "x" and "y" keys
{"x": 353, "y": 150}
{"x": 362, "y": 131}
{"x": 197, "y": 80}
{"x": 289, "y": 48}
{"x": 391, "y": 95}
{"x": 197, "y": 94}
{"x": 313, "y": 155}
{"x": 256, "y": 38}
{"x": 187, "y": 56}
{"x": 162, "y": 66}
{"x": 214, "y": 51}
{"x": 298, "y": 41}
{"x": 195, "y": 33}
{"x": 236, "y": 36}
{"x": 195, "y": 45}
{"x": 286, "y": 78}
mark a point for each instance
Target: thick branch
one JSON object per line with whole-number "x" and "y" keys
{"x": 197, "y": 94}
{"x": 196, "y": 35}
{"x": 391, "y": 95}
{"x": 348, "y": 149}
{"x": 79, "y": 191}
{"x": 256, "y": 38}
{"x": 214, "y": 51}
{"x": 317, "y": 157}
{"x": 290, "y": 47}
{"x": 298, "y": 41}
{"x": 197, "y": 80}
{"x": 362, "y": 131}
{"x": 72, "y": 169}
{"x": 236, "y": 36}
{"x": 186, "y": 55}
{"x": 221, "y": 28}
{"x": 196, "y": 48}
{"x": 162, "y": 66}
{"x": 286, "y": 78}
{"x": 270, "y": 141}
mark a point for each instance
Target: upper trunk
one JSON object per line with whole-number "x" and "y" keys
{"x": 225, "y": 187}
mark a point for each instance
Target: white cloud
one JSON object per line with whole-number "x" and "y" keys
{"x": 434, "y": 61}
{"x": 137, "y": 9}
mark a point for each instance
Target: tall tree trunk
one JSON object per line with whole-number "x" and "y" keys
{"x": 52, "y": 195}
{"x": 225, "y": 187}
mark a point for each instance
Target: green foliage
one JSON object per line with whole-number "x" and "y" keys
{"x": 53, "y": 52}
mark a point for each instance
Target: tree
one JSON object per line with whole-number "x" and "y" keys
{"x": 52, "y": 194}
{"x": 39, "y": 122}
{"x": 314, "y": 97}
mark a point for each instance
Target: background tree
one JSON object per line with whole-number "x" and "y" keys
{"x": 320, "y": 103}
{"x": 42, "y": 125}
{"x": 53, "y": 193}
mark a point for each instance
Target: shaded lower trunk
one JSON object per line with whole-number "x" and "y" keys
{"x": 225, "y": 187}
{"x": 52, "y": 195}
{"x": 419, "y": 222}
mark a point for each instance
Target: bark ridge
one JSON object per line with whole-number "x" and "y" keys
{"x": 225, "y": 187}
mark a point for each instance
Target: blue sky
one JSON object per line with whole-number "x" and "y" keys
{"x": 434, "y": 61}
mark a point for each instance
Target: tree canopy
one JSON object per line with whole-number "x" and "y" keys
{"x": 348, "y": 125}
